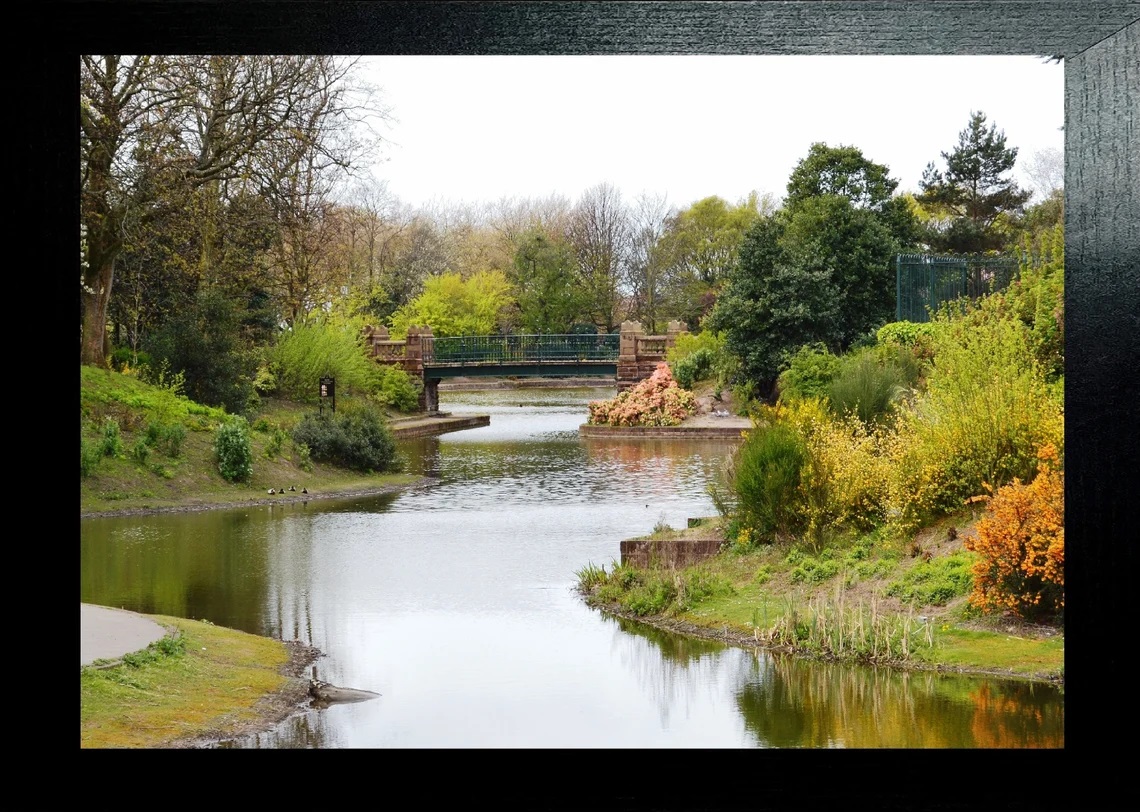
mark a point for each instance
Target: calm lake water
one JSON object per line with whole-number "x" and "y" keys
{"x": 456, "y": 604}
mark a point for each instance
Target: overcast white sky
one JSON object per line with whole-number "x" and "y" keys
{"x": 472, "y": 129}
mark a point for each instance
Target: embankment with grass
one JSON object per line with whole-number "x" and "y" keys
{"x": 145, "y": 447}
{"x": 868, "y": 601}
{"x": 901, "y": 502}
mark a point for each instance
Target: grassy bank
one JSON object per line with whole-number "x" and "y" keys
{"x": 159, "y": 453}
{"x": 145, "y": 448}
{"x": 198, "y": 685}
{"x": 898, "y": 604}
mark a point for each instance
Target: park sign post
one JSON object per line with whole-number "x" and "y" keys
{"x": 328, "y": 392}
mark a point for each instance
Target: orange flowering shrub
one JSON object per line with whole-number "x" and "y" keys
{"x": 656, "y": 401}
{"x": 1021, "y": 544}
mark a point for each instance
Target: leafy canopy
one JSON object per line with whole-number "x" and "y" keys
{"x": 454, "y": 306}
{"x": 697, "y": 251}
{"x": 818, "y": 273}
{"x": 549, "y": 298}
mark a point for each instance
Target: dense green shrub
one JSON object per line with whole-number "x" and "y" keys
{"x": 166, "y": 437}
{"x": 696, "y": 367}
{"x": 276, "y": 441}
{"x": 205, "y": 342}
{"x": 356, "y": 439}
{"x": 1037, "y": 298}
{"x": 697, "y": 357}
{"x": 396, "y": 388}
{"x": 140, "y": 451}
{"x": 984, "y": 415}
{"x": 843, "y": 482}
{"x": 809, "y": 374}
{"x": 233, "y": 450}
{"x": 124, "y": 359}
{"x": 765, "y": 479}
{"x": 89, "y": 456}
{"x": 304, "y": 457}
{"x": 908, "y": 334}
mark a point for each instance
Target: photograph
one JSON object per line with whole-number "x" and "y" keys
{"x": 645, "y": 376}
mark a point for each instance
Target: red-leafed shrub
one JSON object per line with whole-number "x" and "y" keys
{"x": 656, "y": 401}
{"x": 1021, "y": 544}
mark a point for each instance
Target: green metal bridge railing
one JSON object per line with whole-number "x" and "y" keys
{"x": 514, "y": 349}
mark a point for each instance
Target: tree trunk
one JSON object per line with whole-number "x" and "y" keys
{"x": 96, "y": 296}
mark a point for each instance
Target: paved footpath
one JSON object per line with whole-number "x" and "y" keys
{"x": 108, "y": 634}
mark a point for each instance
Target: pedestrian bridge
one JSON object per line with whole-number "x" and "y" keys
{"x": 628, "y": 356}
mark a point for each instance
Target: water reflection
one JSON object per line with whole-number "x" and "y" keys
{"x": 173, "y": 564}
{"x": 455, "y": 603}
{"x": 791, "y": 703}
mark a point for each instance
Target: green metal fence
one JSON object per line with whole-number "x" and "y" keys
{"x": 512, "y": 349}
{"x": 924, "y": 281}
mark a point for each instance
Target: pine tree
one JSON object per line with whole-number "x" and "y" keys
{"x": 976, "y": 193}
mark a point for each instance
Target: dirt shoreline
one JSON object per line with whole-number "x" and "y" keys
{"x": 272, "y": 709}
{"x": 192, "y": 507}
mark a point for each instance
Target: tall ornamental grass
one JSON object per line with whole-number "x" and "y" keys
{"x": 866, "y": 388}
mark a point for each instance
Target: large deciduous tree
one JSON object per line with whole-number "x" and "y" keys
{"x": 976, "y": 192}
{"x": 649, "y": 217}
{"x": 817, "y": 273}
{"x": 218, "y": 124}
{"x": 549, "y": 298}
{"x": 600, "y": 235}
{"x": 118, "y": 100}
{"x": 454, "y": 306}
{"x": 847, "y": 172}
{"x": 697, "y": 251}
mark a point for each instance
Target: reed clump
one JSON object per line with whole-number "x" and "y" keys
{"x": 828, "y": 625}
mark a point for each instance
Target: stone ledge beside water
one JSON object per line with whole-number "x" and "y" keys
{"x": 425, "y": 427}
{"x": 728, "y": 432}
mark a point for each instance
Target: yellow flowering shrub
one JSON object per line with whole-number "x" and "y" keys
{"x": 844, "y": 480}
{"x": 985, "y": 412}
